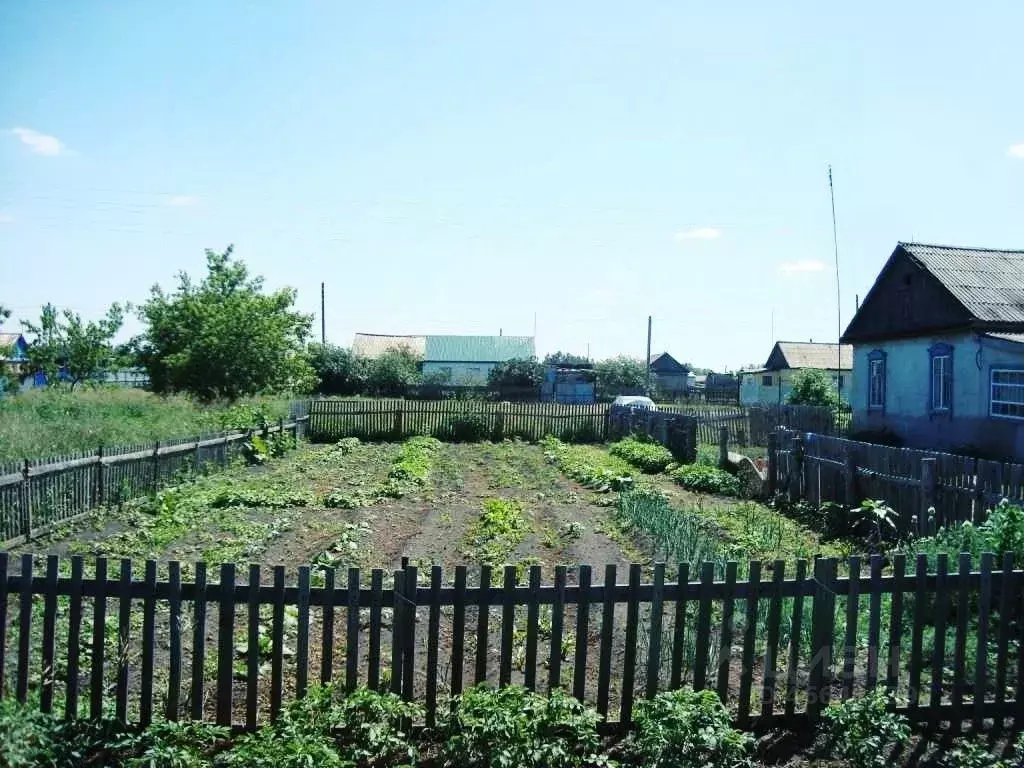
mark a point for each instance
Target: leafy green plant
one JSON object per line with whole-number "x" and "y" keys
{"x": 31, "y": 738}
{"x": 369, "y": 726}
{"x": 864, "y": 730}
{"x": 588, "y": 466}
{"x": 165, "y": 744}
{"x": 705, "y": 479}
{"x": 676, "y": 536}
{"x": 813, "y": 386}
{"x": 414, "y": 460}
{"x": 650, "y": 457}
{"x": 970, "y": 754}
{"x": 572, "y": 530}
{"x": 684, "y": 728}
{"x": 272, "y": 497}
{"x": 1001, "y": 533}
{"x": 875, "y": 521}
{"x": 510, "y": 726}
{"x": 497, "y": 532}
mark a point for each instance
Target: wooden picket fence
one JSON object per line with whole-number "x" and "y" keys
{"x": 776, "y": 647}
{"x": 928, "y": 489}
{"x": 399, "y": 419}
{"x": 37, "y": 494}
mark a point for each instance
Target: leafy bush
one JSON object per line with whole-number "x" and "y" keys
{"x": 705, "y": 479}
{"x": 166, "y": 744}
{"x": 813, "y": 386}
{"x": 320, "y": 730}
{"x": 30, "y": 738}
{"x": 464, "y": 428}
{"x": 517, "y": 373}
{"x": 392, "y": 372}
{"x": 648, "y": 456}
{"x": 864, "y": 730}
{"x": 684, "y": 728}
{"x": 338, "y": 371}
{"x": 970, "y": 754}
{"x": 346, "y": 445}
{"x": 511, "y": 726}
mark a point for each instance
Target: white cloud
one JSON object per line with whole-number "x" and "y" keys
{"x": 699, "y": 233}
{"x": 182, "y": 201}
{"x": 6, "y": 218}
{"x": 801, "y": 266}
{"x": 1016, "y": 150}
{"x": 38, "y": 142}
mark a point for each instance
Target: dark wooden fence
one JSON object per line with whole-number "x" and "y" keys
{"x": 399, "y": 419}
{"x": 928, "y": 489}
{"x": 676, "y": 431}
{"x": 775, "y": 645}
{"x": 37, "y": 494}
{"x": 749, "y": 426}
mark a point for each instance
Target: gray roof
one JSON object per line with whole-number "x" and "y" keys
{"x": 803, "y": 354}
{"x": 989, "y": 283}
{"x": 1016, "y": 338}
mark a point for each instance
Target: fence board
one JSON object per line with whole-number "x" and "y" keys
{"x": 975, "y": 606}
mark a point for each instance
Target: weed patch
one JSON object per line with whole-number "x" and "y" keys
{"x": 649, "y": 457}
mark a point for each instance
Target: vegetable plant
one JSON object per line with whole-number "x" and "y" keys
{"x": 864, "y": 730}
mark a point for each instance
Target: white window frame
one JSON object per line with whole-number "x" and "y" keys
{"x": 995, "y": 402}
{"x": 876, "y": 383}
{"x": 941, "y": 400}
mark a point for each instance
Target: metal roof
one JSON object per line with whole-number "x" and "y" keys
{"x": 804, "y": 354}
{"x": 477, "y": 349}
{"x": 989, "y": 283}
{"x": 1016, "y": 338}
{"x": 373, "y": 345}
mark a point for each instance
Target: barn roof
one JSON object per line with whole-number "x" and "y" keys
{"x": 373, "y": 345}
{"x": 804, "y": 354}
{"x": 989, "y": 283}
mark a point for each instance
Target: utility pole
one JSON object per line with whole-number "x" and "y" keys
{"x": 323, "y": 318}
{"x": 648, "y": 366}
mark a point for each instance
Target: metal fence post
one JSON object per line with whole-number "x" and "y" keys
{"x": 723, "y": 447}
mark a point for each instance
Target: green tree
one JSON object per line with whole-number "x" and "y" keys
{"x": 224, "y": 337}
{"x": 83, "y": 349}
{"x": 518, "y": 372}
{"x": 4, "y": 313}
{"x": 619, "y": 374}
{"x": 339, "y": 371}
{"x": 565, "y": 358}
{"x": 394, "y": 371}
{"x": 812, "y": 386}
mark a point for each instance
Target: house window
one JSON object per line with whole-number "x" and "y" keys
{"x": 1007, "y": 394}
{"x": 876, "y": 380}
{"x": 766, "y": 380}
{"x": 941, "y": 385}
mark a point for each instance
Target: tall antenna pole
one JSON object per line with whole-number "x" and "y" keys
{"x": 839, "y": 305}
{"x": 323, "y": 318}
{"x": 648, "y": 366}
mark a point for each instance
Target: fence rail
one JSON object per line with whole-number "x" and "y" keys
{"x": 37, "y": 494}
{"x": 775, "y": 646}
{"x": 928, "y": 489}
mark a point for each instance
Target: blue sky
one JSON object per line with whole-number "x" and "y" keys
{"x": 457, "y": 167}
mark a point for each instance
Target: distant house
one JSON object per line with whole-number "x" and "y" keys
{"x": 468, "y": 359}
{"x": 457, "y": 359}
{"x": 774, "y": 382}
{"x": 13, "y": 354}
{"x": 939, "y": 350}
{"x": 668, "y": 374}
{"x": 721, "y": 388}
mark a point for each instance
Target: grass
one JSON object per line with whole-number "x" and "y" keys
{"x": 51, "y": 422}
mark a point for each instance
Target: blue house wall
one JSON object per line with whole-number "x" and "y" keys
{"x": 967, "y": 426}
